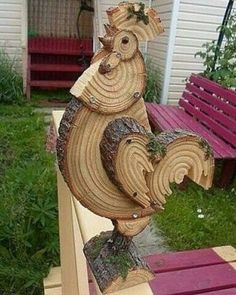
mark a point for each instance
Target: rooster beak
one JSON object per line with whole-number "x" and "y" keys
{"x": 107, "y": 42}
{"x": 110, "y": 30}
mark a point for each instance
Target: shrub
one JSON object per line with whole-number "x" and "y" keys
{"x": 28, "y": 203}
{"x": 224, "y": 72}
{"x": 153, "y": 87}
{"x": 11, "y": 84}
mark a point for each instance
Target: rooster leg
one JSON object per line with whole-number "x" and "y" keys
{"x": 119, "y": 242}
{"x": 115, "y": 262}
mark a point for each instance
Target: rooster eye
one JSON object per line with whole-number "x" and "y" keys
{"x": 125, "y": 40}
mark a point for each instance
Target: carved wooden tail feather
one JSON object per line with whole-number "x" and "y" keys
{"x": 184, "y": 154}
{"x": 126, "y": 159}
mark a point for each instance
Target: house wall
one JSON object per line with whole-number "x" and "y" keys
{"x": 197, "y": 24}
{"x": 57, "y": 18}
{"x": 157, "y": 49}
{"x": 12, "y": 38}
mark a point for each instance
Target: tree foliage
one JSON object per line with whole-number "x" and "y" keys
{"x": 225, "y": 67}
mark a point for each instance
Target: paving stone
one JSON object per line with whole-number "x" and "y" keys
{"x": 151, "y": 241}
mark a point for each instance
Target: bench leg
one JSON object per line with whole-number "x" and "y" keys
{"x": 227, "y": 173}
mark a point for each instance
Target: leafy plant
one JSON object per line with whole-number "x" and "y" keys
{"x": 224, "y": 71}
{"x": 153, "y": 86}
{"x": 28, "y": 203}
{"x": 11, "y": 84}
{"x": 139, "y": 14}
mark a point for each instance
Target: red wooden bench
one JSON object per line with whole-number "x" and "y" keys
{"x": 56, "y": 62}
{"x": 207, "y": 271}
{"x": 207, "y": 109}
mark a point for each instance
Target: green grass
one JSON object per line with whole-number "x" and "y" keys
{"x": 28, "y": 206}
{"x": 182, "y": 227}
{"x": 60, "y": 95}
{"x": 11, "y": 84}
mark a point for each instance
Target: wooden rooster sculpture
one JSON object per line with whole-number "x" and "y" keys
{"x": 108, "y": 156}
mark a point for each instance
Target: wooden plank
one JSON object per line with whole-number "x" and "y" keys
{"x": 80, "y": 260}
{"x": 195, "y": 280}
{"x": 222, "y": 124}
{"x": 53, "y": 279}
{"x": 217, "y": 128}
{"x": 213, "y": 100}
{"x": 185, "y": 121}
{"x": 228, "y": 253}
{"x": 157, "y": 118}
{"x": 212, "y": 110}
{"x": 220, "y": 147}
{"x": 215, "y": 88}
{"x": 57, "y": 68}
{"x": 53, "y": 291}
{"x": 67, "y": 243}
{"x": 188, "y": 123}
{"x": 49, "y": 83}
{"x": 86, "y": 218}
{"x": 190, "y": 259}
{"x": 231, "y": 291}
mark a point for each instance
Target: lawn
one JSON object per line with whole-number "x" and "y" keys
{"x": 28, "y": 219}
{"x": 195, "y": 218}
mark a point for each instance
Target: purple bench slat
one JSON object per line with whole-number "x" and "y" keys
{"x": 218, "y": 145}
{"x": 216, "y": 102}
{"x": 213, "y": 87}
{"x": 231, "y": 291}
{"x": 157, "y": 117}
{"x": 183, "y": 260}
{"x": 218, "y": 129}
{"x": 218, "y": 115}
{"x": 184, "y": 121}
{"x": 195, "y": 280}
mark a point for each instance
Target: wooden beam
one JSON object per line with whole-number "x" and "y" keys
{"x": 67, "y": 239}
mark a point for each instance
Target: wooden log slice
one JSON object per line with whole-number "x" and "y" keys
{"x": 115, "y": 267}
{"x": 126, "y": 44}
{"x": 99, "y": 54}
{"x": 186, "y": 154}
{"x": 72, "y": 110}
{"x": 114, "y": 91}
{"x": 82, "y": 165}
{"x": 121, "y": 18}
{"x": 131, "y": 228}
{"x": 126, "y": 159}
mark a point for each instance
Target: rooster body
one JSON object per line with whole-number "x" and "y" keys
{"x": 110, "y": 90}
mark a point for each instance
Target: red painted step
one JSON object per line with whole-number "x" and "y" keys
{"x": 56, "y": 68}
{"x": 55, "y": 84}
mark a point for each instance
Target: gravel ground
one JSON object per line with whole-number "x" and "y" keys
{"x": 151, "y": 241}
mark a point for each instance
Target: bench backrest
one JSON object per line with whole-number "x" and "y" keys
{"x": 212, "y": 105}
{"x": 47, "y": 45}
